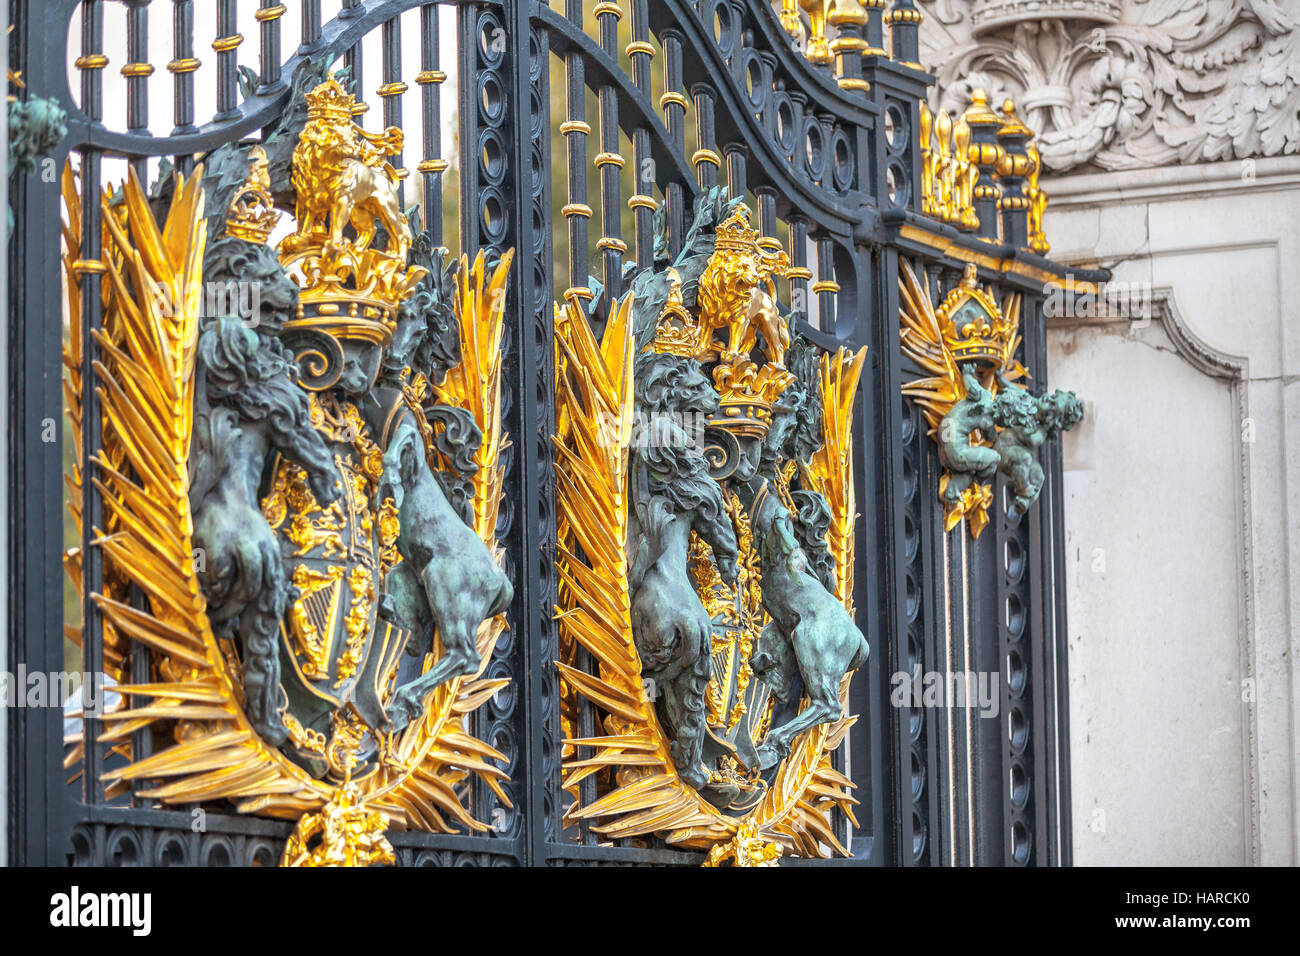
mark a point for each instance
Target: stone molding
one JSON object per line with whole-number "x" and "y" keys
{"x": 1234, "y": 371}
{"x": 1173, "y": 82}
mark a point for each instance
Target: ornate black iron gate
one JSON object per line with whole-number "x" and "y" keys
{"x": 832, "y": 149}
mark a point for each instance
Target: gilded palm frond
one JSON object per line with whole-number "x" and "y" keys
{"x": 830, "y": 470}
{"x": 594, "y": 388}
{"x": 145, "y": 374}
{"x": 922, "y": 341}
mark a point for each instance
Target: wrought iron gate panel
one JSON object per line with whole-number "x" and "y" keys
{"x": 833, "y": 161}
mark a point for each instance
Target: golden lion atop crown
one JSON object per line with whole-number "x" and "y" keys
{"x": 738, "y": 303}
{"x": 343, "y": 181}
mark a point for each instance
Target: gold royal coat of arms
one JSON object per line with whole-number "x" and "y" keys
{"x": 299, "y": 515}
{"x": 305, "y": 498}
{"x": 706, "y": 504}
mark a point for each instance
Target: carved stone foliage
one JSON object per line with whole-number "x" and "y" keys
{"x": 706, "y": 512}
{"x": 1128, "y": 84}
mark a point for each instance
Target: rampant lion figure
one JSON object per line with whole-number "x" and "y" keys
{"x": 247, "y": 408}
{"x": 673, "y": 495}
{"x": 345, "y": 166}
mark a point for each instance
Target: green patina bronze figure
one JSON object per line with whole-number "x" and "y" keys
{"x": 731, "y": 580}
{"x": 36, "y": 126}
{"x": 983, "y": 421}
{"x": 968, "y": 463}
{"x": 1024, "y": 422}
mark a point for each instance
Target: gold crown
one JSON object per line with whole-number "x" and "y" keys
{"x": 347, "y": 289}
{"x": 330, "y": 102}
{"x": 252, "y": 214}
{"x": 746, "y": 393}
{"x": 368, "y": 314}
{"x": 677, "y": 332}
{"x": 735, "y": 236}
{"x": 973, "y": 327}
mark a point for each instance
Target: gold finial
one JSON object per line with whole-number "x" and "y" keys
{"x": 979, "y": 113}
{"x": 1011, "y": 124}
{"x": 252, "y": 214}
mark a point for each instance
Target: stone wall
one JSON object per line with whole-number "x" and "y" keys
{"x": 1171, "y": 136}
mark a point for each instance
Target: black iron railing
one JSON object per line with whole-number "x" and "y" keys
{"x": 705, "y": 92}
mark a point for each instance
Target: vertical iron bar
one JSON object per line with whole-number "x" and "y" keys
{"x": 430, "y": 78}
{"x": 137, "y": 71}
{"x": 799, "y": 274}
{"x": 642, "y": 201}
{"x": 268, "y": 15}
{"x": 576, "y": 130}
{"x": 883, "y": 526}
{"x": 736, "y": 155}
{"x": 354, "y": 63}
{"x": 92, "y": 561}
{"x": 1053, "y": 585}
{"x": 674, "y": 104}
{"x": 609, "y": 160}
{"x": 825, "y": 288}
{"x": 466, "y": 125}
{"x": 390, "y": 93}
{"x": 226, "y": 44}
{"x": 311, "y": 26}
{"x": 706, "y": 160}
{"x": 183, "y": 65}
{"x": 37, "y": 799}
{"x": 528, "y": 344}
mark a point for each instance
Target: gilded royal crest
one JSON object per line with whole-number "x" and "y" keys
{"x": 702, "y": 573}
{"x": 307, "y": 500}
{"x": 982, "y": 421}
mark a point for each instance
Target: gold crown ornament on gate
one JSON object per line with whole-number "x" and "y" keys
{"x": 344, "y": 183}
{"x": 252, "y": 213}
{"x": 737, "y": 299}
{"x": 973, "y": 327}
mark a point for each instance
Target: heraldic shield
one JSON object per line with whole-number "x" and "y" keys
{"x": 340, "y": 648}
